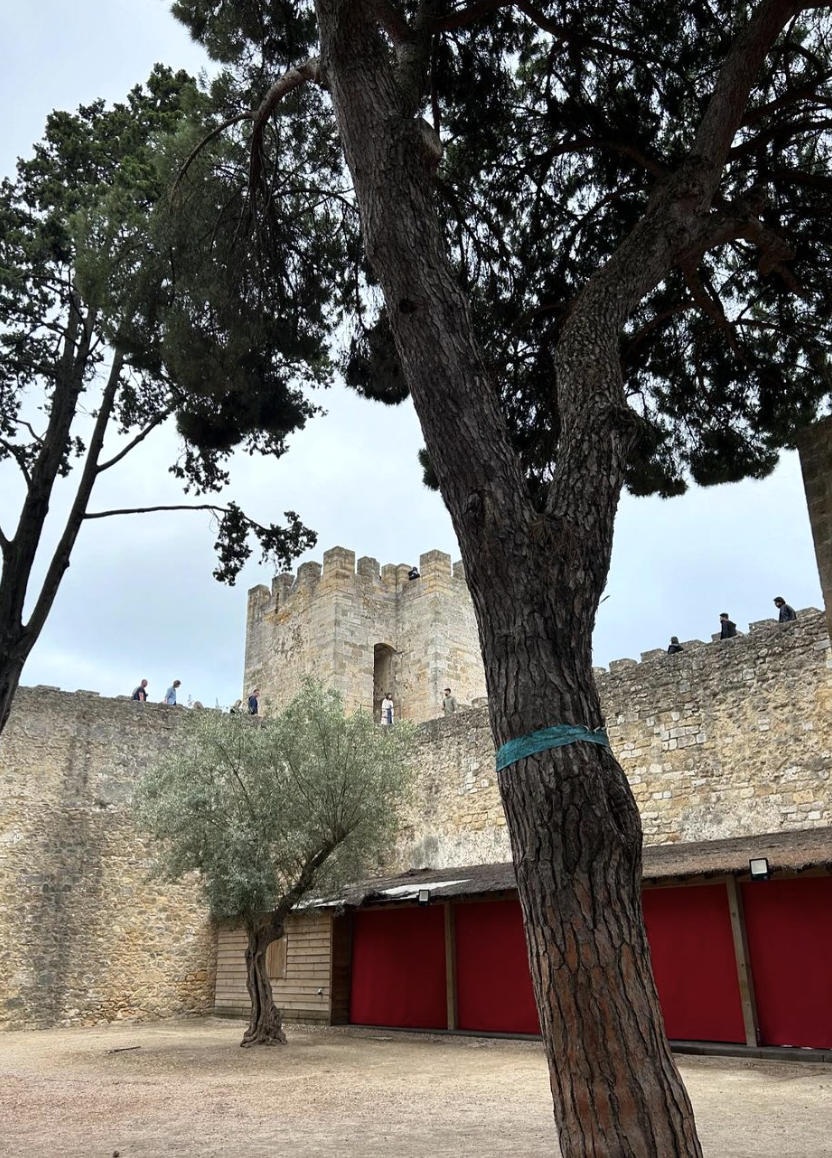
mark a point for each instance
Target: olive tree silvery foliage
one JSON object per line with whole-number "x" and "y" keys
{"x": 269, "y": 811}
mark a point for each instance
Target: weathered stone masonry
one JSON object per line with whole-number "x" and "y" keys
{"x": 84, "y": 936}
{"x": 724, "y": 739}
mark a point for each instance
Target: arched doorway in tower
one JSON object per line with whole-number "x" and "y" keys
{"x": 384, "y": 676}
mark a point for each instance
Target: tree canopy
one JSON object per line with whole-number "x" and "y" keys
{"x": 108, "y": 329}
{"x": 559, "y": 123}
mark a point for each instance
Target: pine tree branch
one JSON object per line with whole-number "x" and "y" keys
{"x": 392, "y": 21}
{"x": 28, "y": 426}
{"x": 140, "y": 437}
{"x": 18, "y": 454}
{"x": 217, "y": 510}
{"x": 729, "y": 99}
{"x": 781, "y": 130}
{"x": 582, "y": 144}
{"x": 463, "y": 16}
{"x": 561, "y": 32}
{"x": 309, "y": 71}
{"x": 792, "y": 96}
{"x": 206, "y": 140}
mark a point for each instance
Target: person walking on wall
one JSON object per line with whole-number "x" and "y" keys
{"x": 449, "y": 703}
{"x": 674, "y": 645}
{"x": 787, "y": 613}
{"x": 140, "y": 692}
{"x": 727, "y": 627}
{"x": 236, "y": 708}
{"x": 387, "y": 709}
{"x": 170, "y": 694}
{"x": 254, "y": 703}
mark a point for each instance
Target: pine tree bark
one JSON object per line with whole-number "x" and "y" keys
{"x": 265, "y": 1025}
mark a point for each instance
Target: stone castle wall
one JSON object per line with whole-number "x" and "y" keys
{"x": 84, "y": 936}
{"x": 329, "y": 620}
{"x": 725, "y": 739}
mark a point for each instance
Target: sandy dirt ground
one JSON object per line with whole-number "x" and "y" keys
{"x": 190, "y": 1090}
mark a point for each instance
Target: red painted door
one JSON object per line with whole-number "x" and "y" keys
{"x": 493, "y": 983}
{"x": 694, "y": 964}
{"x": 398, "y": 968}
{"x": 789, "y": 927}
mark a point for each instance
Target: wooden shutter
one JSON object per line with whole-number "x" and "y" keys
{"x": 276, "y": 959}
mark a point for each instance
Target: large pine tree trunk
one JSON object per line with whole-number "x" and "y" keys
{"x": 265, "y": 1026}
{"x": 535, "y": 579}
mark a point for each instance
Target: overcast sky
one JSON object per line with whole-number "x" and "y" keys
{"x": 139, "y": 599}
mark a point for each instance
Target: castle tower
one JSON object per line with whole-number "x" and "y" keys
{"x": 366, "y": 631}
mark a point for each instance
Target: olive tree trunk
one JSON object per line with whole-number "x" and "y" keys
{"x": 535, "y": 576}
{"x": 265, "y": 1026}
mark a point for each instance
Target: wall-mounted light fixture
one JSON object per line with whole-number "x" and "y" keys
{"x": 424, "y": 896}
{"x": 758, "y": 867}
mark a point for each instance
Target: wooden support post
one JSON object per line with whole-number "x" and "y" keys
{"x": 746, "y": 980}
{"x": 450, "y": 964}
{"x": 340, "y": 981}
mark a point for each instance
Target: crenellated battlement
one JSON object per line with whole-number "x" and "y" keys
{"x": 741, "y": 645}
{"x": 340, "y": 571}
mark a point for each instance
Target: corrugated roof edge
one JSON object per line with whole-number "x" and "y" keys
{"x": 793, "y": 851}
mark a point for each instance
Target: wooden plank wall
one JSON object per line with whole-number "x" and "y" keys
{"x": 308, "y": 969}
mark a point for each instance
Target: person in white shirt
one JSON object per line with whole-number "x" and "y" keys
{"x": 387, "y": 709}
{"x": 170, "y": 694}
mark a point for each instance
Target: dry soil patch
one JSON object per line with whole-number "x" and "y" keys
{"x": 190, "y": 1090}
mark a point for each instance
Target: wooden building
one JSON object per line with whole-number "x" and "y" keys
{"x": 738, "y": 961}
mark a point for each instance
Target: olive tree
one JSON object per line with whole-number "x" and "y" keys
{"x": 267, "y": 811}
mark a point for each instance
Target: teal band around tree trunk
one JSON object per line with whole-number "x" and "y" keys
{"x": 555, "y": 737}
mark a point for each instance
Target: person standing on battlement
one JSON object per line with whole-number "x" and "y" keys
{"x": 170, "y": 694}
{"x": 727, "y": 627}
{"x": 787, "y": 613}
{"x": 413, "y": 573}
{"x": 254, "y": 702}
{"x": 387, "y": 709}
{"x": 449, "y": 703}
{"x": 675, "y": 646}
{"x": 140, "y": 692}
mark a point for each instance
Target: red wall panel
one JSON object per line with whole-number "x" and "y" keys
{"x": 694, "y": 964}
{"x": 398, "y": 968}
{"x": 789, "y": 927}
{"x": 494, "y": 987}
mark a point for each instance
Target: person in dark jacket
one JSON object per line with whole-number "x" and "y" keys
{"x": 727, "y": 627}
{"x": 674, "y": 645}
{"x": 254, "y": 703}
{"x": 787, "y": 614}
